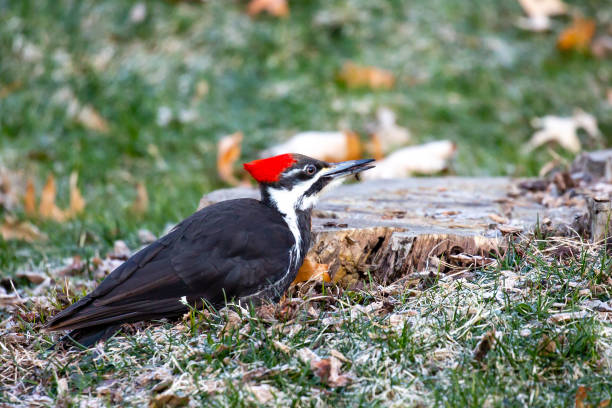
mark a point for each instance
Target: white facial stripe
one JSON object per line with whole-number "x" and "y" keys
{"x": 289, "y": 201}
{"x": 292, "y": 172}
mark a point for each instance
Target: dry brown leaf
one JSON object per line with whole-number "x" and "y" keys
{"x": 581, "y": 395}
{"x": 33, "y": 277}
{"x": 277, "y": 8}
{"x": 429, "y": 158}
{"x": 385, "y": 134}
{"x": 353, "y": 146}
{"x": 169, "y": 399}
{"x": 546, "y": 345}
{"x": 321, "y": 368}
{"x": 20, "y": 230}
{"x": 141, "y": 203}
{"x": 328, "y": 369}
{"x": 498, "y": 218}
{"x": 335, "y": 378}
{"x": 48, "y": 208}
{"x": 11, "y": 300}
{"x": 228, "y": 152}
{"x": 263, "y": 393}
{"x": 91, "y": 119}
{"x": 566, "y": 316}
{"x": 281, "y": 347}
{"x": 326, "y": 146}
{"x": 77, "y": 202}
{"x": 359, "y": 76}
{"x": 29, "y": 199}
{"x": 577, "y": 36}
{"x": 312, "y": 271}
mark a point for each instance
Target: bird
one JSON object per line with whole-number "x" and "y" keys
{"x": 243, "y": 250}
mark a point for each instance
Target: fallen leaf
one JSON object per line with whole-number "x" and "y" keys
{"x": 277, "y": 8}
{"x": 141, "y": 203}
{"x": 539, "y": 12}
{"x": 264, "y": 393}
{"x": 509, "y": 229}
{"x": 20, "y": 230}
{"x": 359, "y": 76}
{"x": 29, "y": 199}
{"x": 77, "y": 202}
{"x": 75, "y": 267}
{"x": 543, "y": 7}
{"x": 145, "y": 236}
{"x": 91, "y": 119}
{"x": 353, "y": 146}
{"x": 486, "y": 344}
{"x": 312, "y": 271}
{"x": 385, "y": 134}
{"x": 120, "y": 250}
{"x": 33, "y": 277}
{"x": 169, "y": 399}
{"x": 498, "y": 218}
{"x": 335, "y": 378}
{"x": 577, "y": 36}
{"x": 567, "y": 316}
{"x": 563, "y": 130}
{"x": 11, "y": 300}
{"x": 228, "y": 152}
{"x": 328, "y": 370}
{"x": 326, "y": 146}
{"x": 321, "y": 368}
{"x": 546, "y": 345}
{"x": 429, "y": 158}
{"x": 581, "y": 395}
{"x": 281, "y": 347}
{"x": 306, "y": 355}
{"x": 48, "y": 208}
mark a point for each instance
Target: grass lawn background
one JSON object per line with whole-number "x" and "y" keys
{"x": 464, "y": 72}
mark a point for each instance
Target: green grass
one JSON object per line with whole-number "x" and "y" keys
{"x": 465, "y": 73}
{"x": 402, "y": 345}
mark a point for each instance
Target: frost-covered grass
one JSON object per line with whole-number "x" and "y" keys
{"x": 529, "y": 331}
{"x": 170, "y": 85}
{"x": 190, "y": 72}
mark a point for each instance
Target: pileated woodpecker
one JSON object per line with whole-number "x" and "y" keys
{"x": 243, "y": 249}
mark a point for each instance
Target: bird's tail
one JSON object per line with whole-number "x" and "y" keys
{"x": 87, "y": 336}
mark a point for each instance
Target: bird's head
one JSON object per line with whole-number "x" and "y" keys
{"x": 294, "y": 181}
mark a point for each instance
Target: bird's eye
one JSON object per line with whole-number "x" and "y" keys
{"x": 310, "y": 169}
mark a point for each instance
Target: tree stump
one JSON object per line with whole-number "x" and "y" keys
{"x": 385, "y": 229}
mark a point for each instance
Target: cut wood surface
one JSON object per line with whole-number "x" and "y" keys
{"x": 387, "y": 228}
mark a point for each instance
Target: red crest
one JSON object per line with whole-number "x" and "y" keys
{"x": 269, "y": 170}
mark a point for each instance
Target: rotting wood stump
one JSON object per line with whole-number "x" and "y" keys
{"x": 385, "y": 229}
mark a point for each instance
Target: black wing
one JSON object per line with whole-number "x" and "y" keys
{"x": 218, "y": 253}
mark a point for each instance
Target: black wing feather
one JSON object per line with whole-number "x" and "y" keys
{"x": 215, "y": 254}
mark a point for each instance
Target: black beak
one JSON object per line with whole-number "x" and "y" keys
{"x": 347, "y": 168}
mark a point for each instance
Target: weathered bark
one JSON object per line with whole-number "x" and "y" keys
{"x": 385, "y": 229}
{"x": 597, "y": 165}
{"x": 600, "y": 214}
